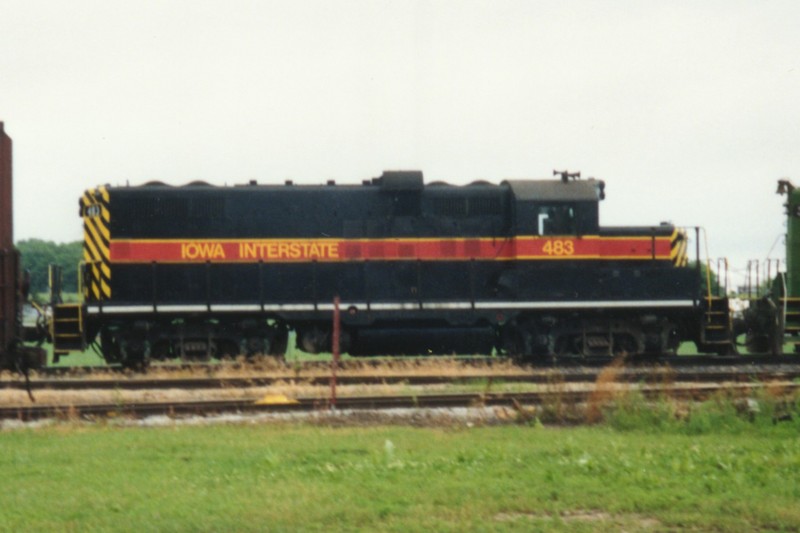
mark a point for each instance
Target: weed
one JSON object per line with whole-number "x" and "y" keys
{"x": 604, "y": 390}
{"x": 631, "y": 411}
{"x": 726, "y": 412}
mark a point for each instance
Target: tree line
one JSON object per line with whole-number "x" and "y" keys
{"x": 38, "y": 254}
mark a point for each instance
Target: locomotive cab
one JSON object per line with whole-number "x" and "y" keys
{"x": 547, "y": 208}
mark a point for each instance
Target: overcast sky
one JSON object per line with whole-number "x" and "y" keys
{"x": 690, "y": 111}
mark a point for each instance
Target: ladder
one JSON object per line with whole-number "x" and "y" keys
{"x": 67, "y": 329}
{"x": 716, "y": 325}
{"x": 791, "y": 326}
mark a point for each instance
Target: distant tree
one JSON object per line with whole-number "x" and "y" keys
{"x": 705, "y": 276}
{"x": 38, "y": 254}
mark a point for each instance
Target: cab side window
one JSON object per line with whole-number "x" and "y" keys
{"x": 556, "y": 220}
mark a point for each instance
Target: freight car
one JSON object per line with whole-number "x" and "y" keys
{"x": 13, "y": 284}
{"x": 522, "y": 267}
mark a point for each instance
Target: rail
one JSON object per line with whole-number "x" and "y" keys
{"x": 281, "y": 404}
{"x": 634, "y": 375}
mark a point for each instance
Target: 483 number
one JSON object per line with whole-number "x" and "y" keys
{"x": 559, "y": 247}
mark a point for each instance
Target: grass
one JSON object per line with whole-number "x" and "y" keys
{"x": 717, "y": 468}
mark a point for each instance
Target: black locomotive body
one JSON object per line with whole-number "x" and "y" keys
{"x": 522, "y": 268}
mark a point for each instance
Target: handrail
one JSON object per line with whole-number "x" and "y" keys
{"x": 755, "y": 269}
{"x": 79, "y": 273}
{"x": 708, "y": 261}
{"x": 785, "y": 299}
{"x": 722, "y": 280}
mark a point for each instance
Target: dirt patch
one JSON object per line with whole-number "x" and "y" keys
{"x": 625, "y": 522}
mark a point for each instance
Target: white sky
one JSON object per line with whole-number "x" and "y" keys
{"x": 689, "y": 110}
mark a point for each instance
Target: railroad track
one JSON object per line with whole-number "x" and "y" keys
{"x": 628, "y": 375}
{"x": 273, "y": 365}
{"x": 284, "y": 405}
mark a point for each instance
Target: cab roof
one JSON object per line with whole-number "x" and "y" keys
{"x": 590, "y": 190}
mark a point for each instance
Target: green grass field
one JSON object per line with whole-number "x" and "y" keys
{"x": 714, "y": 471}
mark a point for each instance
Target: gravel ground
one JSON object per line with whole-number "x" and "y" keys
{"x": 450, "y": 417}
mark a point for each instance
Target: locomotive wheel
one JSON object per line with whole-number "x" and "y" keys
{"x": 512, "y": 343}
{"x": 254, "y": 346}
{"x": 727, "y": 349}
{"x": 757, "y": 343}
{"x": 227, "y": 349}
{"x": 135, "y": 355}
{"x": 526, "y": 341}
{"x": 109, "y": 347}
{"x": 279, "y": 343}
{"x": 777, "y": 344}
{"x": 568, "y": 346}
{"x": 624, "y": 345}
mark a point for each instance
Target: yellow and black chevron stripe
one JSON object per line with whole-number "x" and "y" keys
{"x": 678, "y": 245}
{"x": 96, "y": 238}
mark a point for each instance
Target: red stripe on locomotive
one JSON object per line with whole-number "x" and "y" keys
{"x": 332, "y": 250}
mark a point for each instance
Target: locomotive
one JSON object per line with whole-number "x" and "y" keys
{"x": 773, "y": 315}
{"x": 521, "y": 268}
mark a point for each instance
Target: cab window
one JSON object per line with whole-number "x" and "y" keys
{"x": 556, "y": 220}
